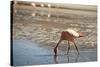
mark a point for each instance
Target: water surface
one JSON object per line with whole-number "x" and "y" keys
{"x": 26, "y": 52}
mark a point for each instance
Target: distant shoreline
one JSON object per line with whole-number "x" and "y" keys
{"x": 62, "y": 6}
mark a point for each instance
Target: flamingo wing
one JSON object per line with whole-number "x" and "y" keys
{"x": 72, "y": 32}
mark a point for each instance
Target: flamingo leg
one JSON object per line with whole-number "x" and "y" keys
{"x": 55, "y": 49}
{"x": 76, "y": 48}
{"x": 68, "y": 47}
{"x": 55, "y": 59}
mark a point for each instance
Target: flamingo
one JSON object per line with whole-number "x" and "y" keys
{"x": 70, "y": 36}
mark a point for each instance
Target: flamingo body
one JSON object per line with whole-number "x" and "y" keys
{"x": 66, "y": 36}
{"x": 72, "y": 32}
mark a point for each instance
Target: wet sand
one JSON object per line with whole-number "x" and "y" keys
{"x": 25, "y": 52}
{"x": 46, "y": 31}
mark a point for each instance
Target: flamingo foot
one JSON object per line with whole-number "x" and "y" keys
{"x": 55, "y": 51}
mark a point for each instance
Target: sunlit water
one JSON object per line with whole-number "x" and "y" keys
{"x": 26, "y": 52}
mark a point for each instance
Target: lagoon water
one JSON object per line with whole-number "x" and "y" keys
{"x": 25, "y": 52}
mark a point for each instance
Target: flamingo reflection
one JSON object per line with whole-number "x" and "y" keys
{"x": 66, "y": 57}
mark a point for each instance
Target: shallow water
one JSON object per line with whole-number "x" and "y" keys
{"x": 26, "y": 52}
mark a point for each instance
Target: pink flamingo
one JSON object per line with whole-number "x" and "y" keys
{"x": 70, "y": 36}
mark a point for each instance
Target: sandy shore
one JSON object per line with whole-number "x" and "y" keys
{"x": 46, "y": 31}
